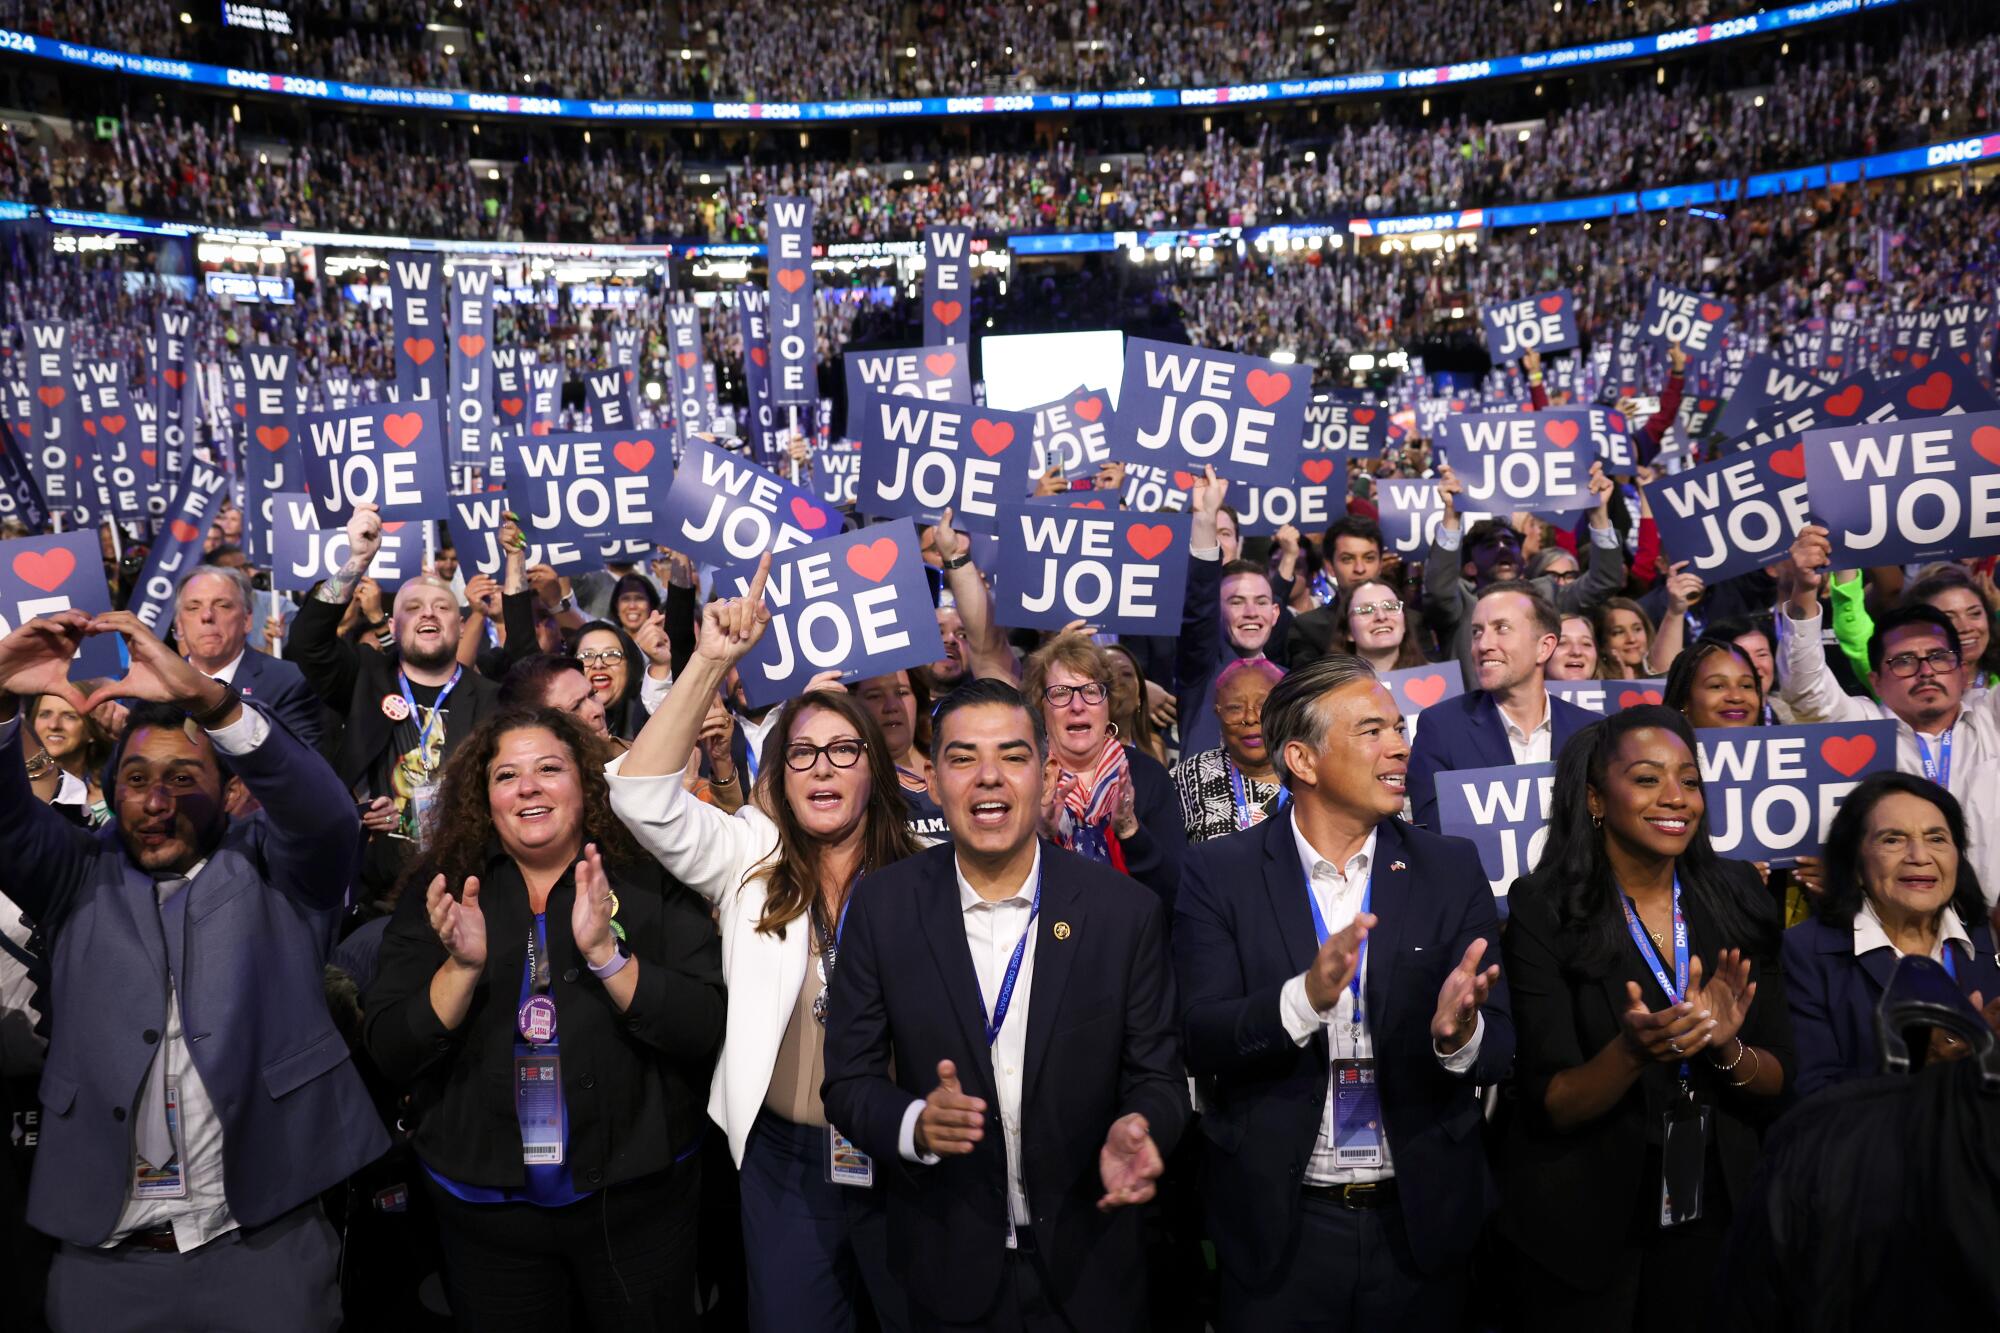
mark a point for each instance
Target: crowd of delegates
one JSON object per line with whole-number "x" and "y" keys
{"x": 372, "y": 175}
{"x": 852, "y": 50}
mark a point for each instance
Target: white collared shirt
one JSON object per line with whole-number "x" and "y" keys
{"x": 1869, "y": 934}
{"x": 228, "y": 674}
{"x": 1339, "y": 892}
{"x": 992, "y": 930}
{"x": 1531, "y": 747}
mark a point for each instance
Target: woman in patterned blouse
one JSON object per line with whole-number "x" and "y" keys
{"x": 1227, "y": 790}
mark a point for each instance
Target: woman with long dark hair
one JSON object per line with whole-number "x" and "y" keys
{"x": 1713, "y": 683}
{"x": 551, "y": 1002}
{"x": 1374, "y": 624}
{"x": 827, "y": 809}
{"x": 1653, "y": 1039}
{"x": 613, "y": 666}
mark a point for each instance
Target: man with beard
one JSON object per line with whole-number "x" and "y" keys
{"x": 212, "y": 627}
{"x": 404, "y": 714}
{"x": 1250, "y": 623}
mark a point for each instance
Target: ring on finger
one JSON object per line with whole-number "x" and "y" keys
{"x": 1675, "y": 1047}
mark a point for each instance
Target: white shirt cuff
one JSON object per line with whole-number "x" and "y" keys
{"x": 1447, "y": 539}
{"x": 906, "y": 1138}
{"x": 1205, "y": 552}
{"x": 653, "y": 690}
{"x": 1301, "y": 1020}
{"x": 1606, "y": 537}
{"x": 1462, "y": 1059}
{"x": 243, "y": 735}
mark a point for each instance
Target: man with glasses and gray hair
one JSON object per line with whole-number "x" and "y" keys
{"x": 1338, "y": 1006}
{"x": 212, "y": 627}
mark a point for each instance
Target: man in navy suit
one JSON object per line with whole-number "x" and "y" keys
{"x": 1337, "y": 1010}
{"x": 1511, "y": 718}
{"x": 1002, "y": 1041}
{"x": 212, "y": 627}
{"x": 197, "y": 1096}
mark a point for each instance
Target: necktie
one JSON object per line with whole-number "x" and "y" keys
{"x": 152, "y": 1136}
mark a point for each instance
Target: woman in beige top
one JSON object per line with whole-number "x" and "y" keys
{"x": 826, "y": 809}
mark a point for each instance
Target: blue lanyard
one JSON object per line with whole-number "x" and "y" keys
{"x": 1006, "y": 996}
{"x": 424, "y": 732}
{"x": 1320, "y": 932}
{"x": 1937, "y": 767}
{"x": 1676, "y": 985}
{"x": 1950, "y": 960}
{"x": 538, "y": 947}
{"x": 1241, "y": 797}
{"x": 750, "y": 758}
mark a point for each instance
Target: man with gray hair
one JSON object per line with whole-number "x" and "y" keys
{"x": 1336, "y": 1006}
{"x": 212, "y": 629}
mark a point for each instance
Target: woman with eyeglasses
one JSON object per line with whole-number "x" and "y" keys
{"x": 1105, "y": 799}
{"x": 612, "y": 665}
{"x": 1235, "y": 786}
{"x": 1373, "y": 624}
{"x": 827, "y": 808}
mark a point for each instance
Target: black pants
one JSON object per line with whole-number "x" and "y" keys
{"x": 1350, "y": 1269}
{"x": 623, "y": 1258}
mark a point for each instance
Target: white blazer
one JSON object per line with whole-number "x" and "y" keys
{"x": 712, "y": 853}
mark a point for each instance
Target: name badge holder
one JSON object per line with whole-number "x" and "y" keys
{"x": 1687, "y": 1125}
{"x": 845, "y": 1163}
{"x": 538, "y": 1096}
{"x": 1357, "y": 1102}
{"x": 168, "y": 1181}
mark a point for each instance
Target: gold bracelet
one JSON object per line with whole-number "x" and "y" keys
{"x": 1756, "y": 1068}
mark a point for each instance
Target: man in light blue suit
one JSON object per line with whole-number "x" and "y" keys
{"x": 197, "y": 1096}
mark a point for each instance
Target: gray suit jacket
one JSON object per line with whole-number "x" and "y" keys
{"x": 260, "y": 921}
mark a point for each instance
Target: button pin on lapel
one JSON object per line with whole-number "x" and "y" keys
{"x": 1397, "y": 865}
{"x": 1061, "y": 931}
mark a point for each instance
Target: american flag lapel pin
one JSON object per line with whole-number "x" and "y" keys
{"x": 1397, "y": 865}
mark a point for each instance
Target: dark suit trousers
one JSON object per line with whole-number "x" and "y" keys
{"x": 1023, "y": 1305}
{"x": 1350, "y": 1269}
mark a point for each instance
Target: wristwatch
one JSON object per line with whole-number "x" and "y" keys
{"x": 958, "y": 562}
{"x": 564, "y": 603}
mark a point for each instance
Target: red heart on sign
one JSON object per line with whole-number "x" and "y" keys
{"x": 1710, "y": 311}
{"x": 113, "y": 423}
{"x": 1561, "y": 434}
{"x": 946, "y": 312}
{"x": 273, "y": 438}
{"x": 791, "y": 279}
{"x": 1267, "y": 386}
{"x": 628, "y": 377}
{"x": 1090, "y": 409}
{"x": 512, "y": 406}
{"x": 1845, "y": 403}
{"x": 1848, "y": 755}
{"x": 873, "y": 561}
{"x": 687, "y": 360}
{"x": 991, "y": 436}
{"x": 1705, "y": 404}
{"x": 419, "y": 350}
{"x": 1920, "y": 360}
{"x": 941, "y": 364}
{"x": 471, "y": 344}
{"x": 402, "y": 427}
{"x": 1934, "y": 393}
{"x": 51, "y": 395}
{"x": 760, "y": 356}
{"x": 240, "y": 409}
{"x": 1363, "y": 415}
{"x": 1185, "y": 480}
{"x": 633, "y": 455}
{"x": 174, "y": 378}
{"x": 44, "y": 569}
{"x": 1317, "y": 470}
{"x": 89, "y": 426}
{"x": 810, "y": 517}
{"x": 1986, "y": 443}
{"x": 21, "y": 428}
{"x": 1086, "y": 504}
{"x": 394, "y": 527}
{"x": 1149, "y": 539}
{"x": 1792, "y": 462}
{"x": 1835, "y": 361}
{"x": 1550, "y": 304}
{"x": 183, "y": 530}
{"x": 540, "y": 428}
{"x": 1633, "y": 698}
{"x": 1900, "y": 354}
{"x": 148, "y": 457}
{"x": 1424, "y": 691}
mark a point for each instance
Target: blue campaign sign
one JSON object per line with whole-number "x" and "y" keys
{"x": 1608, "y": 696}
{"x": 858, "y": 602}
{"x": 1504, "y": 811}
{"x": 1904, "y": 492}
{"x": 177, "y": 546}
{"x": 723, "y": 509}
{"x": 1417, "y": 688}
{"x": 389, "y": 454}
{"x": 20, "y": 497}
{"x": 1769, "y": 385}
{"x": 1313, "y": 499}
{"x": 607, "y": 395}
{"x": 1070, "y": 435}
{"x": 304, "y": 551}
{"x": 947, "y": 286}
{"x": 1336, "y": 427}
{"x": 1542, "y": 323}
{"x": 918, "y": 459}
{"x": 110, "y": 422}
{"x": 794, "y": 379}
{"x": 1157, "y": 490}
{"x": 1858, "y": 398}
{"x": 1947, "y": 388}
{"x": 475, "y": 537}
{"x": 1124, "y": 572}
{"x": 578, "y": 487}
{"x": 1186, "y": 407}
{"x": 416, "y": 300}
{"x": 42, "y": 575}
{"x": 1676, "y": 315}
{"x": 1734, "y": 515}
{"x": 272, "y": 461}
{"x": 942, "y": 374}
{"x": 1772, "y": 792}
{"x": 837, "y": 472}
{"x": 1534, "y": 461}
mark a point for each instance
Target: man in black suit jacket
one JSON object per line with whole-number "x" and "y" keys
{"x": 1011, "y": 1157}
{"x": 212, "y": 628}
{"x": 1337, "y": 1010}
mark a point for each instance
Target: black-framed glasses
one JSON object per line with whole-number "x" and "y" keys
{"x": 1565, "y": 576}
{"x": 1905, "y": 665}
{"x": 1093, "y": 692}
{"x": 803, "y": 756}
{"x": 601, "y": 656}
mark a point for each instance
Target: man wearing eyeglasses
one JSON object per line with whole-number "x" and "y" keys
{"x": 1914, "y": 660}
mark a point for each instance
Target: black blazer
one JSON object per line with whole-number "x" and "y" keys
{"x": 354, "y": 681}
{"x": 1153, "y": 855}
{"x": 1568, "y": 1197}
{"x": 635, "y": 1084}
{"x": 281, "y": 687}
{"x": 1241, "y": 931}
{"x": 1101, "y": 1043}
{"x": 1467, "y": 731}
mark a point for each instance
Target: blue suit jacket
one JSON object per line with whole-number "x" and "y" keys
{"x": 1468, "y": 732}
{"x": 260, "y": 918}
{"x": 1242, "y": 929}
{"x": 1833, "y": 995}
{"x": 282, "y": 691}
